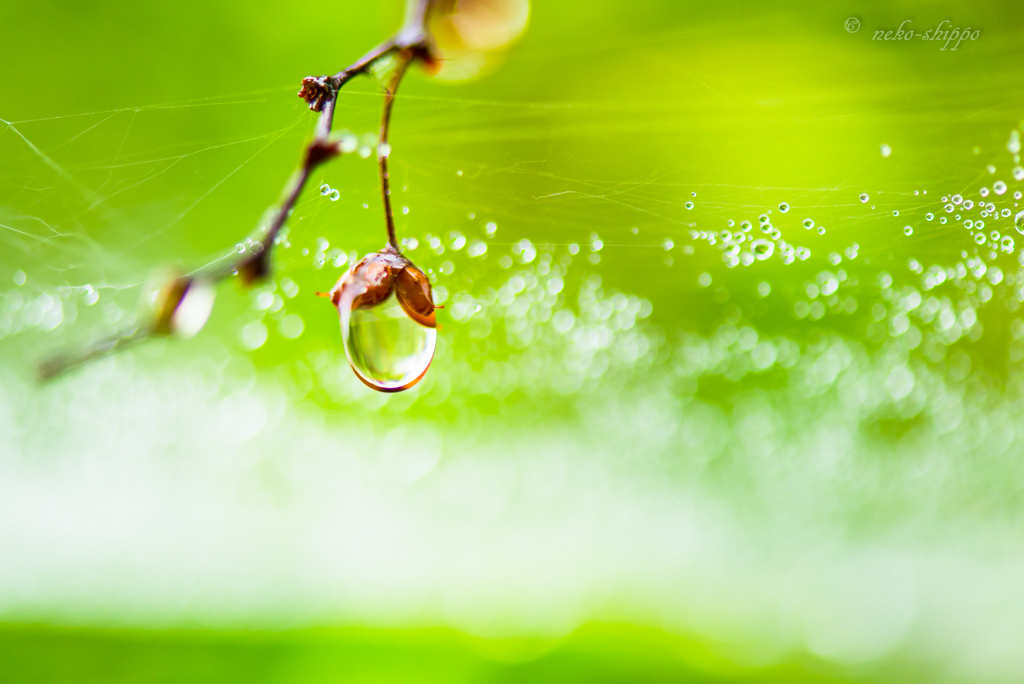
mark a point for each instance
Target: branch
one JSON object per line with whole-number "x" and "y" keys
{"x": 321, "y": 95}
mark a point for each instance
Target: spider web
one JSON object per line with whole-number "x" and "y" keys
{"x": 609, "y": 352}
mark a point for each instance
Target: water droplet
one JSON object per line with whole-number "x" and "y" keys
{"x": 240, "y": 248}
{"x": 979, "y": 225}
{"x": 405, "y": 211}
{"x": 980, "y": 238}
{"x": 693, "y": 194}
{"x": 895, "y": 212}
{"x": 803, "y": 253}
{"x": 864, "y": 197}
{"x": 808, "y": 223}
{"x": 349, "y": 142}
{"x": 783, "y": 207}
{"x": 1018, "y": 172}
{"x": 999, "y": 187}
{"x": 990, "y": 168}
{"x": 1018, "y": 222}
{"x": 704, "y": 280}
{"x": 387, "y": 350}
{"x": 20, "y": 278}
{"x": 956, "y": 199}
{"x": 762, "y": 249}
{"x": 929, "y": 216}
{"x": 254, "y": 335}
{"x": 668, "y": 244}
{"x": 968, "y": 204}
{"x": 745, "y": 226}
{"x": 949, "y": 208}
{"x": 984, "y": 192}
{"x": 821, "y": 230}
{"x": 689, "y": 205}
{"x": 886, "y": 150}
{"x": 491, "y": 228}
{"x": 764, "y": 289}
{"x": 459, "y": 173}
{"x": 907, "y": 230}
{"x": 383, "y": 151}
{"x": 335, "y": 195}
{"x": 325, "y": 189}
{"x": 291, "y": 326}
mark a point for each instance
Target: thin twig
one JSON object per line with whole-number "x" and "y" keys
{"x": 321, "y": 94}
{"x": 384, "y": 148}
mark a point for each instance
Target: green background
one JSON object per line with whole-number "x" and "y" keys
{"x": 714, "y": 474}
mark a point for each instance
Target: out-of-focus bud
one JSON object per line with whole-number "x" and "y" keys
{"x": 469, "y": 35}
{"x": 181, "y": 305}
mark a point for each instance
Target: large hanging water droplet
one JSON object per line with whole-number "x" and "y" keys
{"x": 1018, "y": 222}
{"x": 388, "y": 350}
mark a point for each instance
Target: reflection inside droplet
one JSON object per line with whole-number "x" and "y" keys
{"x": 387, "y": 350}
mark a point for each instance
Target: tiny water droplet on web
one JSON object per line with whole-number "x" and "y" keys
{"x": 745, "y": 226}
{"x": 763, "y": 218}
{"x": 808, "y": 223}
{"x": 907, "y": 230}
{"x": 762, "y": 249}
{"x": 929, "y": 216}
{"x": 895, "y": 212}
{"x": 983, "y": 192}
{"x": 335, "y": 195}
{"x": 491, "y": 228}
{"x": 821, "y": 230}
{"x": 1018, "y": 222}
{"x": 1018, "y": 172}
{"x": 990, "y": 168}
{"x": 383, "y": 150}
{"x": 349, "y": 143}
{"x": 240, "y": 248}
{"x": 693, "y": 194}
{"x": 459, "y": 173}
{"x": 968, "y": 204}
{"x": 783, "y": 207}
{"x": 668, "y": 244}
{"x": 688, "y": 205}
{"x": 325, "y": 189}
{"x": 864, "y": 197}
{"x": 956, "y": 199}
{"x": 885, "y": 150}
{"x": 980, "y": 238}
{"x": 999, "y": 187}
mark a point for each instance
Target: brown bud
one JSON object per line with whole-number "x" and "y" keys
{"x": 376, "y": 276}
